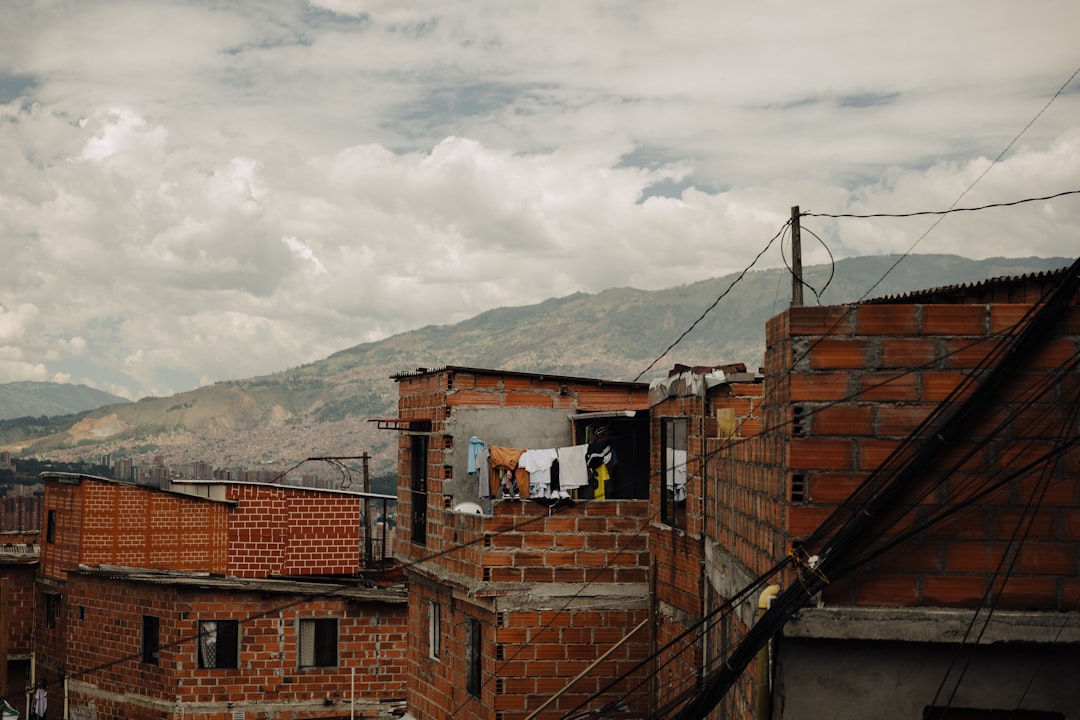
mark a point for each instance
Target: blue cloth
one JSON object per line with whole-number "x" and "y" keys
{"x": 476, "y": 446}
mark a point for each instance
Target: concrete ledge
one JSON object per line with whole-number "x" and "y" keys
{"x": 934, "y": 625}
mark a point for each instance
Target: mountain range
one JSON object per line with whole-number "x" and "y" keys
{"x": 22, "y": 399}
{"x": 323, "y": 408}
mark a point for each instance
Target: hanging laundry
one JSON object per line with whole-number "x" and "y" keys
{"x": 600, "y": 459}
{"x": 676, "y": 474}
{"x": 476, "y": 446}
{"x": 504, "y": 461}
{"x": 573, "y": 472}
{"x": 486, "y": 487}
{"x": 538, "y": 464}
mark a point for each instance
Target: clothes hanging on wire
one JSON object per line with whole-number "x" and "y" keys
{"x": 573, "y": 473}
{"x": 538, "y": 464}
{"x": 505, "y": 464}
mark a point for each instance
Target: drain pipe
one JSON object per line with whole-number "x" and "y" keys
{"x": 763, "y": 694}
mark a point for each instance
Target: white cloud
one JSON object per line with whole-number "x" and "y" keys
{"x": 181, "y": 183}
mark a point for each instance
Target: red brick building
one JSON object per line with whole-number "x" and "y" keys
{"x": 510, "y": 600}
{"x": 218, "y": 601}
{"x": 907, "y": 472}
{"x": 18, "y": 566}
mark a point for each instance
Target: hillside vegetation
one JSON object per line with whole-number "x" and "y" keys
{"x": 323, "y": 408}
{"x": 35, "y": 399}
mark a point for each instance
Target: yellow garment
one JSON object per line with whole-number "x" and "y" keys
{"x": 602, "y": 476}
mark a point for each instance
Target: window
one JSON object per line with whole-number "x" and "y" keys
{"x": 434, "y": 629}
{"x": 50, "y": 527}
{"x": 52, "y": 610}
{"x": 674, "y": 459}
{"x": 318, "y": 643}
{"x": 472, "y": 682}
{"x": 151, "y": 639}
{"x": 219, "y": 643}
{"x": 418, "y": 464}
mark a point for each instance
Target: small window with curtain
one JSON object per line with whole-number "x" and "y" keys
{"x": 318, "y": 643}
{"x": 219, "y": 644}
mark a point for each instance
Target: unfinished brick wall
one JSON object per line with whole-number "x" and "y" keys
{"x": 19, "y": 577}
{"x": 432, "y": 397}
{"x": 105, "y": 665}
{"x": 745, "y": 492}
{"x": 103, "y": 522}
{"x": 863, "y": 378}
{"x": 540, "y": 652}
{"x": 293, "y": 531}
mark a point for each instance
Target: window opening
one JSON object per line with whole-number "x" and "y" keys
{"x": 472, "y": 682}
{"x": 52, "y": 610}
{"x": 219, "y": 644}
{"x": 318, "y": 643}
{"x": 418, "y": 462}
{"x": 674, "y": 458}
{"x": 434, "y": 629}
{"x": 151, "y": 639}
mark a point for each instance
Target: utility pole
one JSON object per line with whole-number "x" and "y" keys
{"x": 367, "y": 510}
{"x": 796, "y": 260}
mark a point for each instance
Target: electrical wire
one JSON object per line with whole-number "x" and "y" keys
{"x": 920, "y": 213}
{"x": 715, "y": 302}
{"x": 814, "y": 576}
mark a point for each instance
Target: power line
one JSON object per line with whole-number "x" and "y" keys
{"x": 943, "y": 212}
{"x": 709, "y": 309}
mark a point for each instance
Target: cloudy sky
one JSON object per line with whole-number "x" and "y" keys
{"x": 197, "y": 191}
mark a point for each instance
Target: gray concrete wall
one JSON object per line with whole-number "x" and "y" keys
{"x": 888, "y": 680}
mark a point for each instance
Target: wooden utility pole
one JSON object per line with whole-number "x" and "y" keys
{"x": 796, "y": 260}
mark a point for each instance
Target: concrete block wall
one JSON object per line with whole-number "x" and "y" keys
{"x": 864, "y": 377}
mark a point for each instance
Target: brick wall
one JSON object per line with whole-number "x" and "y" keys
{"x": 293, "y": 531}
{"x": 102, "y": 522}
{"x": 863, "y": 378}
{"x": 20, "y": 606}
{"x": 527, "y": 657}
{"x": 433, "y": 397}
{"x": 107, "y": 672}
{"x": 527, "y": 654}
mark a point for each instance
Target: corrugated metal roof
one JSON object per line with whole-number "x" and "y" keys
{"x": 964, "y": 291}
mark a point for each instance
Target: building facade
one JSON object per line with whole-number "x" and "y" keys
{"x": 905, "y": 476}
{"x": 212, "y": 600}
{"x": 522, "y": 606}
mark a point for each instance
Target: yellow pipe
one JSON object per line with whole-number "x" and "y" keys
{"x": 763, "y": 694}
